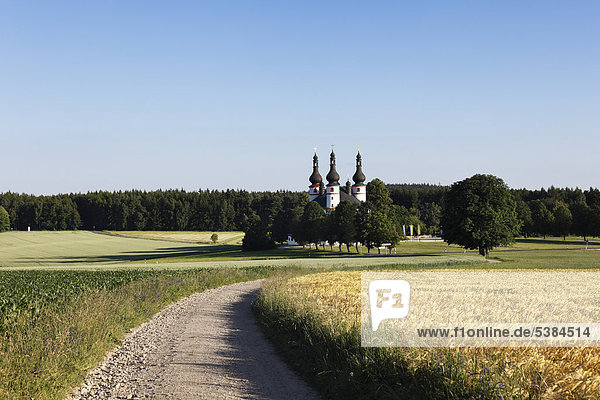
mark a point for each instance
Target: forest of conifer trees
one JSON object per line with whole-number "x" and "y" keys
{"x": 552, "y": 211}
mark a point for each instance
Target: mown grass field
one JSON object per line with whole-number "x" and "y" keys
{"x": 82, "y": 248}
{"x": 549, "y": 259}
{"x": 425, "y": 246}
{"x": 412, "y": 248}
{"x": 85, "y": 250}
{"x": 231, "y": 237}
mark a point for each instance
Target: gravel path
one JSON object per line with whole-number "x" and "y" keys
{"x": 206, "y": 346}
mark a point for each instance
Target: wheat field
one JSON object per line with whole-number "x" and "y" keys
{"x": 539, "y": 373}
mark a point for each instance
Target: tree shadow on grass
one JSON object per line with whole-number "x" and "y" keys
{"x": 207, "y": 253}
{"x": 558, "y": 241}
{"x": 132, "y": 256}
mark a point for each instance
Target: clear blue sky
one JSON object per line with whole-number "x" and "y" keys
{"x": 111, "y": 95}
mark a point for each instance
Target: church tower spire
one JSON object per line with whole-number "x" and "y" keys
{"x": 333, "y": 184}
{"x": 332, "y": 177}
{"x": 315, "y": 179}
{"x": 359, "y": 189}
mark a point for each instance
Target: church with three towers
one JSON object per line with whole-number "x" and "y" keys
{"x": 330, "y": 195}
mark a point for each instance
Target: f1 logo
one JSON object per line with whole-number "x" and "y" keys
{"x": 388, "y": 299}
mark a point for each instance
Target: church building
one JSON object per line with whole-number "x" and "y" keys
{"x": 330, "y": 195}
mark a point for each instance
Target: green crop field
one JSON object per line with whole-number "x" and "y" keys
{"x": 56, "y": 325}
{"x": 66, "y": 298}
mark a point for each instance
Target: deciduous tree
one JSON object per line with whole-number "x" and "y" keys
{"x": 377, "y": 217}
{"x": 4, "y": 220}
{"x": 542, "y": 217}
{"x": 524, "y": 215}
{"x": 344, "y": 223}
{"x": 380, "y": 229}
{"x": 582, "y": 219}
{"x": 257, "y": 236}
{"x": 312, "y": 224}
{"x": 563, "y": 219}
{"x": 479, "y": 213}
{"x": 378, "y": 195}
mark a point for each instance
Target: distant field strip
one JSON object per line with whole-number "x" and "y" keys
{"x": 83, "y": 248}
{"x": 233, "y": 237}
{"x": 413, "y": 262}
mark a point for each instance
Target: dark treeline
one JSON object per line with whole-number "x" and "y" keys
{"x": 139, "y": 210}
{"x": 559, "y": 212}
{"x": 420, "y": 204}
{"x": 553, "y": 211}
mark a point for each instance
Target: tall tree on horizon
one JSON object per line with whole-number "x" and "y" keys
{"x": 376, "y": 217}
{"x": 480, "y": 213}
{"x": 563, "y": 220}
{"x": 257, "y": 236}
{"x": 542, "y": 217}
{"x": 312, "y": 224}
{"x": 4, "y": 220}
{"x": 344, "y": 222}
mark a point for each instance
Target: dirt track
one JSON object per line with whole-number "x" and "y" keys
{"x": 207, "y": 346}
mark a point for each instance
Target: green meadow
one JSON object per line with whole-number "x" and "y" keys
{"x": 230, "y": 237}
{"x": 115, "y": 250}
{"x": 89, "y": 249}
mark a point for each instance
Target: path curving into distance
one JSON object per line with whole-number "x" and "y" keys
{"x": 206, "y": 346}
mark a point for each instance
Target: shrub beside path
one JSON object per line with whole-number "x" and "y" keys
{"x": 206, "y": 346}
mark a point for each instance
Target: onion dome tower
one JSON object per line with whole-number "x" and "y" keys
{"x": 359, "y": 189}
{"x": 333, "y": 184}
{"x": 315, "y": 179}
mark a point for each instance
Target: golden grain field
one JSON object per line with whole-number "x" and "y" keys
{"x": 542, "y": 373}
